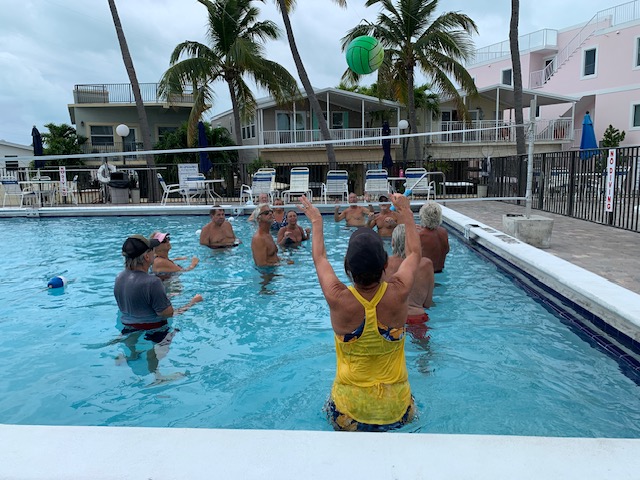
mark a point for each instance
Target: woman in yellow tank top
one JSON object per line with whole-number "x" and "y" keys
{"x": 371, "y": 390}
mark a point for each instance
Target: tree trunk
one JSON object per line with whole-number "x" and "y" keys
{"x": 142, "y": 114}
{"x": 304, "y": 78}
{"x": 517, "y": 77}
{"x": 413, "y": 118}
{"x": 236, "y": 122}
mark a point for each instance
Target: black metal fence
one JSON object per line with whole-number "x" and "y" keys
{"x": 576, "y": 184}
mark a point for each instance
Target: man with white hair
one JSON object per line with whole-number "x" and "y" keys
{"x": 433, "y": 237}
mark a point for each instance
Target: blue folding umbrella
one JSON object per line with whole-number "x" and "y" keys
{"x": 37, "y": 147}
{"x": 588, "y": 143}
{"x": 205, "y": 163}
{"x": 387, "y": 161}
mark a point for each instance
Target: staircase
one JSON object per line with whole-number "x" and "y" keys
{"x": 607, "y": 18}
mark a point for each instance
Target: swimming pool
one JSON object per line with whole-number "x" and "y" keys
{"x": 258, "y": 352}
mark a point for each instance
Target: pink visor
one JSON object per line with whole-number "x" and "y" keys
{"x": 160, "y": 236}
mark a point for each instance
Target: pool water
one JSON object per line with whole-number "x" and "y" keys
{"x": 258, "y": 352}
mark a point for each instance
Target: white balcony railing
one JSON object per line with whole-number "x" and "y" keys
{"x": 554, "y": 130}
{"x": 352, "y": 136}
{"x": 539, "y": 40}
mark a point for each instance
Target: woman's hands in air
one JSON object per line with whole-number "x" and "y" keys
{"x": 312, "y": 213}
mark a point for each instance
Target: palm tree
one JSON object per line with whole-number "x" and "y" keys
{"x": 517, "y": 76}
{"x": 285, "y": 6}
{"x": 135, "y": 86}
{"x": 413, "y": 38}
{"x": 235, "y": 50}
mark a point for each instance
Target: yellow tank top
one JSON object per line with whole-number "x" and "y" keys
{"x": 371, "y": 384}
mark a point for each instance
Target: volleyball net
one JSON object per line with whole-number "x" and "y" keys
{"x": 458, "y": 171}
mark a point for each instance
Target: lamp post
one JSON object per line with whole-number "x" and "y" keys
{"x": 403, "y": 125}
{"x": 123, "y": 131}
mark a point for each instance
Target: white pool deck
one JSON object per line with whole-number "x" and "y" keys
{"x": 51, "y": 452}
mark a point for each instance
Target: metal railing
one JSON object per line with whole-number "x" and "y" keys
{"x": 122, "y": 93}
{"x": 545, "y": 38}
{"x": 606, "y": 18}
{"x": 567, "y": 184}
{"x": 274, "y": 137}
{"x": 547, "y": 130}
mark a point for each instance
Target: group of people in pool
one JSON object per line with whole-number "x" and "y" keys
{"x": 371, "y": 391}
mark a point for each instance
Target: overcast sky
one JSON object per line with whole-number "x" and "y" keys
{"x": 48, "y": 46}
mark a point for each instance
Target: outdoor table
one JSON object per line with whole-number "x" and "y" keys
{"x": 210, "y": 192}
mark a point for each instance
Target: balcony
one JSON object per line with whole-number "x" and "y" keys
{"x": 539, "y": 41}
{"x": 122, "y": 93}
{"x": 490, "y": 131}
{"x": 361, "y": 135}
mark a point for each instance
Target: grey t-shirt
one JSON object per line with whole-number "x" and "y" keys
{"x": 140, "y": 296}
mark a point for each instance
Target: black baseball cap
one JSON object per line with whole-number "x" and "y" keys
{"x": 365, "y": 253}
{"x": 383, "y": 198}
{"x": 136, "y": 245}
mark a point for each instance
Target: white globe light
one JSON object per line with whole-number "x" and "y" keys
{"x": 122, "y": 130}
{"x": 403, "y": 124}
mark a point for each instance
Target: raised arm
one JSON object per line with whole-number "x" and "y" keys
{"x": 329, "y": 282}
{"x": 406, "y": 273}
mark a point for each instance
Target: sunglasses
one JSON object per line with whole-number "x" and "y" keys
{"x": 266, "y": 212}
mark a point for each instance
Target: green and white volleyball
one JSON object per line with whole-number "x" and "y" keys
{"x": 364, "y": 55}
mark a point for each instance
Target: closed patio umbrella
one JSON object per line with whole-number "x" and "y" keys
{"x": 37, "y": 147}
{"x": 588, "y": 142}
{"x": 205, "y": 163}
{"x": 387, "y": 161}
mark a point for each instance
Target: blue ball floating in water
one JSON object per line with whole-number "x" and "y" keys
{"x": 57, "y": 282}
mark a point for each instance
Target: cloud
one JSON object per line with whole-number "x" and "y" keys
{"x": 51, "y": 45}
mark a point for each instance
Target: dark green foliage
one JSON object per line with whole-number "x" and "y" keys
{"x": 62, "y": 140}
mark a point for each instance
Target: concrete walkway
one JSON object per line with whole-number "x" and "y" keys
{"x": 606, "y": 251}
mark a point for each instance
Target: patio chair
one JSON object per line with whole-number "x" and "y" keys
{"x": 298, "y": 184}
{"x": 168, "y": 189}
{"x": 193, "y": 186}
{"x": 272, "y": 172}
{"x": 376, "y": 183}
{"x": 419, "y": 183}
{"x": 260, "y": 183}
{"x": 46, "y": 190}
{"x": 337, "y": 184}
{"x": 12, "y": 189}
{"x": 72, "y": 192}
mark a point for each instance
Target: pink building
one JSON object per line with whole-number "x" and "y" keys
{"x": 597, "y": 63}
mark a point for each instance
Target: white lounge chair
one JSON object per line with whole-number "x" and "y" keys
{"x": 12, "y": 189}
{"x": 298, "y": 184}
{"x": 272, "y": 172}
{"x": 417, "y": 180}
{"x": 337, "y": 184}
{"x": 376, "y": 182}
{"x": 167, "y": 189}
{"x": 260, "y": 183}
{"x": 192, "y": 187}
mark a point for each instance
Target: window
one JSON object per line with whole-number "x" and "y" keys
{"x": 249, "y": 130}
{"x": 338, "y": 120}
{"x": 163, "y": 131}
{"x": 636, "y": 62}
{"x": 506, "y": 77}
{"x": 102, "y": 135}
{"x": 636, "y": 116}
{"x": 589, "y": 62}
